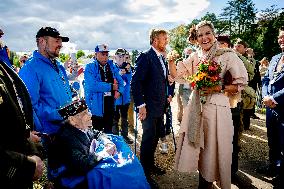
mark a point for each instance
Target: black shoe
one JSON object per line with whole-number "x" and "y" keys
{"x": 157, "y": 170}
{"x": 268, "y": 170}
{"x": 128, "y": 140}
{"x": 253, "y": 116}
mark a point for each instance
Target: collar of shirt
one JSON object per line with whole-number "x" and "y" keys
{"x": 157, "y": 52}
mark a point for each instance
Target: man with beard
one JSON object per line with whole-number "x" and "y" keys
{"x": 47, "y": 81}
{"x": 149, "y": 89}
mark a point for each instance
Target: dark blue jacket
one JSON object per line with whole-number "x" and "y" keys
{"x": 149, "y": 84}
{"x": 273, "y": 85}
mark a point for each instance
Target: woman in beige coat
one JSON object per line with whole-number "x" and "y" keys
{"x": 206, "y": 132}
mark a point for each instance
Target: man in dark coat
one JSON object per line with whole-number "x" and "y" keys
{"x": 273, "y": 99}
{"x": 20, "y": 163}
{"x": 149, "y": 89}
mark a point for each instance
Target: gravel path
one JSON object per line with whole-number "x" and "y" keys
{"x": 254, "y": 153}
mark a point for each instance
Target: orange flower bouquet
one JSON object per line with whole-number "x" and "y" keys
{"x": 207, "y": 75}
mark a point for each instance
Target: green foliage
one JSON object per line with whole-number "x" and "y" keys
{"x": 238, "y": 20}
{"x": 79, "y": 54}
{"x": 63, "y": 57}
{"x": 134, "y": 56}
{"x": 178, "y": 38}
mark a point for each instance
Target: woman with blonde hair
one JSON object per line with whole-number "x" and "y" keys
{"x": 206, "y": 132}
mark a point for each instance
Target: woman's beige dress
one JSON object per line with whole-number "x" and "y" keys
{"x": 213, "y": 157}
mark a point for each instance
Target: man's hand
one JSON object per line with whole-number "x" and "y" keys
{"x": 34, "y": 136}
{"x": 39, "y": 166}
{"x": 116, "y": 94}
{"x": 142, "y": 113}
{"x": 170, "y": 99}
{"x": 267, "y": 101}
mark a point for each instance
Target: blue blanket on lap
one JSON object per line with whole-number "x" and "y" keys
{"x": 120, "y": 171}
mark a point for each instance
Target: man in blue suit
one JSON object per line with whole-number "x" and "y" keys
{"x": 149, "y": 89}
{"x": 273, "y": 98}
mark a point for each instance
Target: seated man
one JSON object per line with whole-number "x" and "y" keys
{"x": 82, "y": 158}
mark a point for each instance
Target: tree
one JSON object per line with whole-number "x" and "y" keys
{"x": 79, "y": 54}
{"x": 239, "y": 14}
{"x": 63, "y": 57}
{"x": 134, "y": 56}
{"x": 178, "y": 38}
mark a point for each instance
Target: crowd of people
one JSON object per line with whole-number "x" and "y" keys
{"x": 38, "y": 103}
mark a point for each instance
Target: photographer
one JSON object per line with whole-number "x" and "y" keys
{"x": 122, "y": 103}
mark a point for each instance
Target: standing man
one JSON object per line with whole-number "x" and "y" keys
{"x": 20, "y": 163}
{"x": 149, "y": 89}
{"x": 248, "y": 94}
{"x": 47, "y": 81}
{"x": 273, "y": 99}
{"x": 122, "y": 103}
{"x": 103, "y": 85}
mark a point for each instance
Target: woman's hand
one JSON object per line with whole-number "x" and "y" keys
{"x": 172, "y": 56}
{"x": 205, "y": 91}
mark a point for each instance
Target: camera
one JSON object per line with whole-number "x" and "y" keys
{"x": 125, "y": 66}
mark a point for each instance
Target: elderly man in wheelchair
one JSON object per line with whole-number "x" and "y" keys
{"x": 80, "y": 157}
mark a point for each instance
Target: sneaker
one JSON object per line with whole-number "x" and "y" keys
{"x": 164, "y": 148}
{"x": 128, "y": 140}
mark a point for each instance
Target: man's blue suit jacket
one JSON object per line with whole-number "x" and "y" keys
{"x": 273, "y": 85}
{"x": 149, "y": 85}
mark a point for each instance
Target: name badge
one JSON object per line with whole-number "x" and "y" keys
{"x": 107, "y": 93}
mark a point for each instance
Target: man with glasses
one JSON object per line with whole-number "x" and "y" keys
{"x": 103, "y": 84}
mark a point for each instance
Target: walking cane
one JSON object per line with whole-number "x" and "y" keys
{"x": 171, "y": 126}
{"x": 135, "y": 130}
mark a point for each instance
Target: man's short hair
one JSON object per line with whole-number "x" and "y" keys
{"x": 224, "y": 38}
{"x": 154, "y": 33}
{"x": 240, "y": 41}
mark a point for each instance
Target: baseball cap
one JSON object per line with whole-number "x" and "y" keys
{"x": 1, "y": 32}
{"x": 120, "y": 51}
{"x": 52, "y": 32}
{"x": 101, "y": 48}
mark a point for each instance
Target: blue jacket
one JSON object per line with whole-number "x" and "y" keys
{"x": 48, "y": 89}
{"x": 94, "y": 87}
{"x": 273, "y": 85}
{"x": 125, "y": 96}
{"x": 4, "y": 56}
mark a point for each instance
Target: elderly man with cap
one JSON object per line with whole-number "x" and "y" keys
{"x": 103, "y": 84}
{"x": 47, "y": 81}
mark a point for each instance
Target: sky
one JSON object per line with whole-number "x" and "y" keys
{"x": 118, "y": 23}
